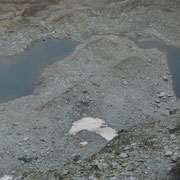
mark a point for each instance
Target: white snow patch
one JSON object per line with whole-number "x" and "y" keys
{"x": 94, "y": 125}
{"x": 6, "y": 177}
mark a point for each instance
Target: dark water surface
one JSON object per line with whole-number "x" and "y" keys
{"x": 173, "y": 55}
{"x": 19, "y": 73}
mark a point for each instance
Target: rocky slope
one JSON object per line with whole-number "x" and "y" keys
{"x": 107, "y": 76}
{"x": 146, "y": 151}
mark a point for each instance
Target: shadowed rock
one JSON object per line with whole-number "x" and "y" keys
{"x": 175, "y": 172}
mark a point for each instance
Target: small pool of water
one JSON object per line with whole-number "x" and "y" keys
{"x": 173, "y": 56}
{"x": 18, "y": 74}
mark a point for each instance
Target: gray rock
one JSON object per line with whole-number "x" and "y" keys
{"x": 123, "y": 155}
{"x": 157, "y": 101}
{"x": 2, "y": 108}
{"x": 76, "y": 157}
{"x": 124, "y": 165}
{"x": 176, "y": 156}
{"x": 168, "y": 153}
{"x": 16, "y": 124}
{"x": 28, "y": 158}
{"x": 124, "y": 82}
{"x": 175, "y": 172}
{"x": 26, "y": 138}
{"x": 161, "y": 94}
{"x": 173, "y": 136}
{"x": 25, "y": 159}
{"x": 64, "y": 172}
{"x": 165, "y": 78}
{"x": 126, "y": 148}
{"x": 132, "y": 178}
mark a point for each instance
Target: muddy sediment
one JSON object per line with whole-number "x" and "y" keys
{"x": 107, "y": 76}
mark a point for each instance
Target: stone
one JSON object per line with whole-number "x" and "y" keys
{"x": 25, "y": 159}
{"x": 132, "y": 178}
{"x": 2, "y": 108}
{"x": 157, "y": 105}
{"x": 123, "y": 155}
{"x": 124, "y": 165}
{"x": 133, "y": 145}
{"x": 92, "y": 178}
{"x": 65, "y": 172}
{"x": 26, "y": 138}
{"x": 16, "y": 124}
{"x": 42, "y": 139}
{"x": 126, "y": 148}
{"x": 78, "y": 104}
{"x": 76, "y": 157}
{"x": 174, "y": 173}
{"x": 168, "y": 153}
{"x": 95, "y": 167}
{"x": 157, "y": 101}
{"x": 174, "y": 159}
{"x": 114, "y": 164}
{"x": 6, "y": 177}
{"x": 84, "y": 91}
{"x": 84, "y": 143}
{"x": 173, "y": 111}
{"x": 124, "y": 82}
{"x": 173, "y": 136}
{"x": 170, "y": 95}
{"x": 165, "y": 78}
{"x": 161, "y": 94}
{"x": 144, "y": 156}
{"x": 176, "y": 156}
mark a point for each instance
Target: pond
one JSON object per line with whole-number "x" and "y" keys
{"x": 18, "y": 74}
{"x": 173, "y": 56}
